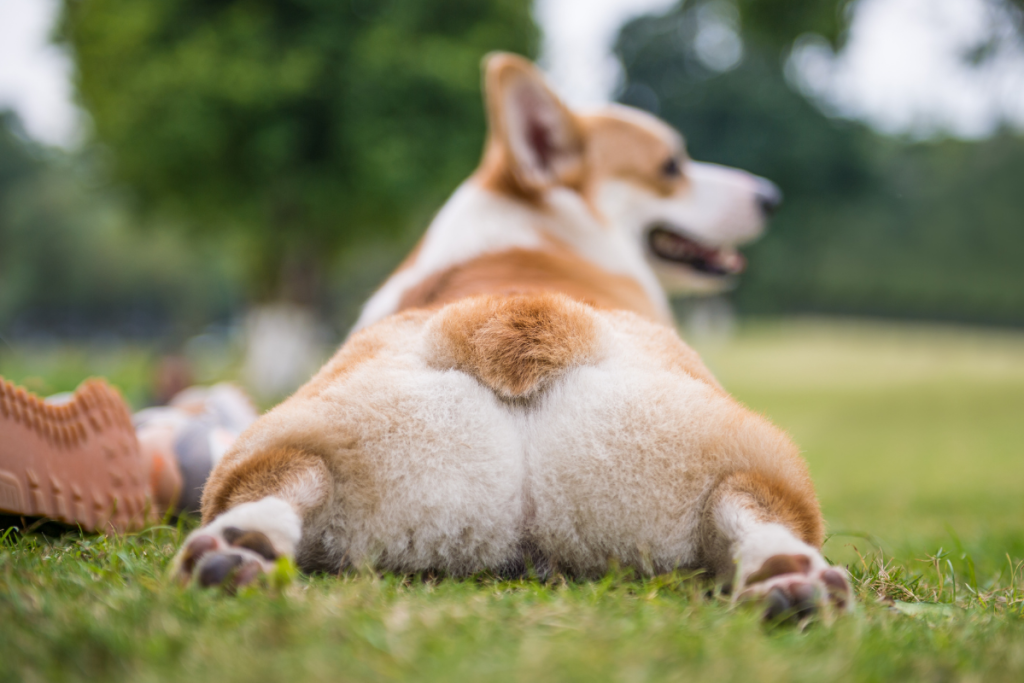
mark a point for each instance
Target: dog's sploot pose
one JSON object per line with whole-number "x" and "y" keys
{"x": 515, "y": 396}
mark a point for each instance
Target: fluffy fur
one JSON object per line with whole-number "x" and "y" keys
{"x": 514, "y": 396}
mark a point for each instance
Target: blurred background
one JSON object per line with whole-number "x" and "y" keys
{"x": 176, "y": 174}
{"x": 166, "y": 170}
{"x": 194, "y": 190}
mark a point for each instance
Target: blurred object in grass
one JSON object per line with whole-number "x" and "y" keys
{"x": 286, "y": 345}
{"x": 173, "y": 374}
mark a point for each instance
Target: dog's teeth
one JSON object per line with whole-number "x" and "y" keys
{"x": 732, "y": 261}
{"x": 671, "y": 246}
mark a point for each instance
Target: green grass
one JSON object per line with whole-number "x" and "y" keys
{"x": 914, "y": 436}
{"x": 47, "y": 369}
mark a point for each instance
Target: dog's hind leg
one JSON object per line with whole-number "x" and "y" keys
{"x": 253, "y": 514}
{"x": 763, "y": 536}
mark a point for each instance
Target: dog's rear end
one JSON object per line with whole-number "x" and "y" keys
{"x": 516, "y": 397}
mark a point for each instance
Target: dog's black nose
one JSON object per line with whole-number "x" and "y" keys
{"x": 769, "y": 197}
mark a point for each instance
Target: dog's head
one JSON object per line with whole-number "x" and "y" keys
{"x": 632, "y": 171}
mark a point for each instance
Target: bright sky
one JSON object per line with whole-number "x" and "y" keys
{"x": 900, "y": 71}
{"x": 903, "y": 71}
{"x": 34, "y": 75}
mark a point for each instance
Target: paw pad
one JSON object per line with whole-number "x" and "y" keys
{"x": 789, "y": 589}
{"x": 230, "y": 558}
{"x": 216, "y": 568}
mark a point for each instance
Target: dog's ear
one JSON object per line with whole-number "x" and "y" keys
{"x": 541, "y": 138}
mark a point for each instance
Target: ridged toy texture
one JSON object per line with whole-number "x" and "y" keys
{"x": 76, "y": 462}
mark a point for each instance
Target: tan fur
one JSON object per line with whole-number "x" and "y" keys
{"x": 514, "y": 345}
{"x": 361, "y": 348}
{"x": 238, "y": 480}
{"x": 619, "y": 148}
{"x": 787, "y": 500}
{"x": 777, "y": 565}
{"x": 608, "y": 145}
{"x": 522, "y": 271}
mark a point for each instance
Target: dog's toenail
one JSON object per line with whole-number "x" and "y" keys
{"x": 215, "y": 569}
{"x": 838, "y": 587}
{"x": 834, "y": 579}
{"x": 195, "y": 550}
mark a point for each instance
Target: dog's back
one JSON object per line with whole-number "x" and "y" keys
{"x": 597, "y": 206}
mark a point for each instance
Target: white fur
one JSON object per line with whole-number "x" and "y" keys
{"x": 719, "y": 209}
{"x": 753, "y": 541}
{"x": 614, "y": 459}
{"x": 271, "y": 515}
{"x": 447, "y": 483}
{"x": 433, "y": 471}
{"x": 620, "y": 435}
{"x": 472, "y": 222}
{"x": 525, "y": 106}
{"x": 304, "y": 492}
{"x": 476, "y": 221}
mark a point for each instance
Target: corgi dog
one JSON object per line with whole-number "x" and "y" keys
{"x": 515, "y": 397}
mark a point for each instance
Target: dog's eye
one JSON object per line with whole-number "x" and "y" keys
{"x": 671, "y": 168}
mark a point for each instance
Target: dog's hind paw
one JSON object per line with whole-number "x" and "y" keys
{"x": 239, "y": 546}
{"x": 228, "y": 557}
{"x": 790, "y": 590}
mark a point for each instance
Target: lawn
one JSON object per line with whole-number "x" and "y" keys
{"x": 915, "y": 437}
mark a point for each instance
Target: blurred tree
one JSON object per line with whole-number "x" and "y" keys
{"x": 870, "y": 225}
{"x": 305, "y": 125}
{"x": 71, "y": 264}
{"x": 779, "y": 22}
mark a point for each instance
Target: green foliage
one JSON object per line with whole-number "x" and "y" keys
{"x": 925, "y": 525}
{"x": 909, "y": 430}
{"x": 71, "y": 261}
{"x": 305, "y": 125}
{"x": 870, "y": 225}
{"x": 778, "y": 22}
{"x": 46, "y": 369}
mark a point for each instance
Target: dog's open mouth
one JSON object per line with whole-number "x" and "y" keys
{"x": 672, "y": 246}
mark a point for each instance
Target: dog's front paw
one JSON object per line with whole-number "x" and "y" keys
{"x": 791, "y": 587}
{"x": 229, "y": 557}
